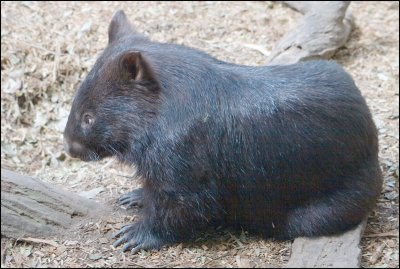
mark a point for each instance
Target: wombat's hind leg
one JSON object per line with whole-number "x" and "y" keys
{"x": 339, "y": 210}
{"x": 133, "y": 198}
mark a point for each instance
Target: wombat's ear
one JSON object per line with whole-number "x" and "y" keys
{"x": 134, "y": 66}
{"x": 119, "y": 27}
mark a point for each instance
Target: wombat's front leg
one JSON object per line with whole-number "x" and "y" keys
{"x": 138, "y": 236}
{"x": 132, "y": 198}
{"x": 167, "y": 217}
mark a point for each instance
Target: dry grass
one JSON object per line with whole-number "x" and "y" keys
{"x": 48, "y": 48}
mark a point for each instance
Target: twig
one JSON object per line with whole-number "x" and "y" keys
{"x": 38, "y": 240}
{"x": 217, "y": 258}
{"x": 37, "y": 47}
{"x": 387, "y": 234}
{"x": 374, "y": 258}
{"x": 257, "y": 48}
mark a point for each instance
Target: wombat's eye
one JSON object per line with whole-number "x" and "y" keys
{"x": 88, "y": 120}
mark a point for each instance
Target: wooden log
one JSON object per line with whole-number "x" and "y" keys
{"x": 325, "y": 27}
{"x": 30, "y": 207}
{"x": 340, "y": 251}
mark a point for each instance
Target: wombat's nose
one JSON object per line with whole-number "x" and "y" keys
{"x": 73, "y": 149}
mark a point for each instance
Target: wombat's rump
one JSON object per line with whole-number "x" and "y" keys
{"x": 284, "y": 151}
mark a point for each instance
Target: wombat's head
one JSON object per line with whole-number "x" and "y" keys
{"x": 116, "y": 102}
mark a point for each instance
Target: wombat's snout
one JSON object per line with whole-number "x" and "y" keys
{"x": 73, "y": 149}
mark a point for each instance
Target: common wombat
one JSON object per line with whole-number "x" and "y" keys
{"x": 284, "y": 151}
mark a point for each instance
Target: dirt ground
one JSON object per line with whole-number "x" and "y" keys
{"x": 47, "y": 48}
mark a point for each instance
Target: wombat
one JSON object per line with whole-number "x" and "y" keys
{"x": 282, "y": 151}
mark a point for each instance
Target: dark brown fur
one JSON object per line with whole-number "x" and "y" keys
{"x": 284, "y": 151}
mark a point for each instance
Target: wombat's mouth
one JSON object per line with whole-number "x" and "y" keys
{"x": 77, "y": 150}
{"x": 88, "y": 157}
{"x": 91, "y": 156}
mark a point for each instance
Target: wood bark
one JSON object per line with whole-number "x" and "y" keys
{"x": 340, "y": 251}
{"x": 30, "y": 207}
{"x": 324, "y": 28}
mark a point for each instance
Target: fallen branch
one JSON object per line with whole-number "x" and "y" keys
{"x": 340, "y": 251}
{"x": 325, "y": 27}
{"x": 30, "y": 207}
{"x": 388, "y": 234}
{"x": 39, "y": 241}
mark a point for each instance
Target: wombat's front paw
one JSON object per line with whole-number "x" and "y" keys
{"x": 137, "y": 237}
{"x": 132, "y": 198}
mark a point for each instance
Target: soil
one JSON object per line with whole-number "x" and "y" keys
{"x": 47, "y": 48}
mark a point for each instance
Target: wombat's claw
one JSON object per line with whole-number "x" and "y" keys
{"x": 136, "y": 246}
{"x": 137, "y": 237}
{"x": 131, "y": 198}
{"x": 123, "y": 230}
{"x": 126, "y": 238}
{"x": 135, "y": 249}
{"x": 133, "y": 245}
{"x": 119, "y": 241}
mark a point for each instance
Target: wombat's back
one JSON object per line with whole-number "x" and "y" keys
{"x": 282, "y": 143}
